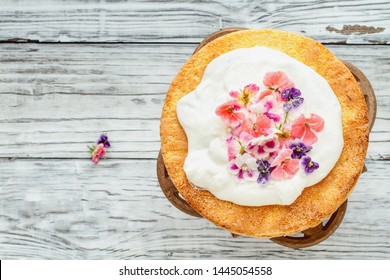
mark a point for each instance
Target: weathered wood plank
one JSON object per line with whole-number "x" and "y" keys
{"x": 72, "y": 209}
{"x": 351, "y": 22}
{"x": 56, "y": 99}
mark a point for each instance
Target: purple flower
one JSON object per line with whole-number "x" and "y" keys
{"x": 309, "y": 165}
{"x": 292, "y": 98}
{"x": 287, "y": 106}
{"x": 264, "y": 168}
{"x": 299, "y": 149}
{"x": 103, "y": 139}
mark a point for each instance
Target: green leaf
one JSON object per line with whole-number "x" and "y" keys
{"x": 92, "y": 148}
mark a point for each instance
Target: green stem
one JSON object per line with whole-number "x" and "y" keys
{"x": 285, "y": 118}
{"x": 284, "y": 121}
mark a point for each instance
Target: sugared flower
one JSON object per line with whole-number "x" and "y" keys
{"x": 283, "y": 132}
{"x": 302, "y": 128}
{"x": 293, "y": 98}
{"x": 244, "y": 167}
{"x": 262, "y": 125}
{"x": 264, "y": 168}
{"x": 299, "y": 149}
{"x": 285, "y": 166}
{"x": 277, "y": 81}
{"x": 229, "y": 113}
{"x": 247, "y": 95}
{"x": 270, "y": 107}
{"x": 262, "y": 146}
{"x": 103, "y": 139}
{"x": 265, "y": 141}
{"x": 98, "y": 153}
{"x": 308, "y": 165}
{"x": 233, "y": 147}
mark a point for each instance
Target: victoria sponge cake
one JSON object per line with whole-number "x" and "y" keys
{"x": 264, "y": 132}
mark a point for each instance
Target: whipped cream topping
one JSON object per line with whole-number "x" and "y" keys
{"x": 206, "y": 162}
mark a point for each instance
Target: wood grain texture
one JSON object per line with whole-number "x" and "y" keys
{"x": 71, "y": 209}
{"x": 351, "y": 22}
{"x": 56, "y": 99}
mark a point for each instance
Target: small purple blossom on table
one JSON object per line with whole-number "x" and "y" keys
{"x": 103, "y": 139}
{"x": 100, "y": 150}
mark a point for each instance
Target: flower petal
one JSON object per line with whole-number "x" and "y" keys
{"x": 283, "y": 154}
{"x": 263, "y": 122}
{"x": 229, "y": 113}
{"x": 264, "y": 94}
{"x": 316, "y": 122}
{"x": 245, "y": 138}
{"x": 233, "y": 148}
{"x": 291, "y": 167}
{"x": 252, "y": 89}
{"x": 277, "y": 173}
{"x": 277, "y": 81}
{"x": 309, "y": 138}
{"x": 298, "y": 126}
{"x": 234, "y": 94}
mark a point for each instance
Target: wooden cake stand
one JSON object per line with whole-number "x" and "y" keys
{"x": 310, "y": 236}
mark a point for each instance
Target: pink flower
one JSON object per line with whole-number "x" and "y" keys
{"x": 228, "y": 111}
{"x": 244, "y": 167}
{"x": 270, "y": 107}
{"x": 261, "y": 126}
{"x": 302, "y": 128}
{"x": 285, "y": 166}
{"x": 246, "y": 126}
{"x": 247, "y": 95}
{"x": 277, "y": 81}
{"x": 234, "y": 147}
{"x": 245, "y": 138}
{"x": 261, "y": 147}
{"x": 264, "y": 94}
{"x": 99, "y": 152}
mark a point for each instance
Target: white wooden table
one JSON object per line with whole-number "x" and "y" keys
{"x": 70, "y": 70}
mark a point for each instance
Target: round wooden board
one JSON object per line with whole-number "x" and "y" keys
{"x": 311, "y": 236}
{"x": 170, "y": 191}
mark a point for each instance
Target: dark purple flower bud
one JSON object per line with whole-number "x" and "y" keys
{"x": 103, "y": 139}
{"x": 299, "y": 149}
{"x": 309, "y": 165}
